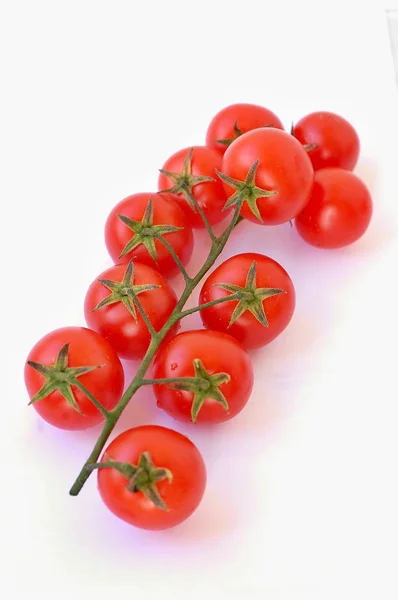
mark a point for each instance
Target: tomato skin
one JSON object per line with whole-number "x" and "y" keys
{"x": 86, "y": 348}
{"x": 168, "y": 449}
{"x": 339, "y": 211}
{"x": 165, "y": 212}
{"x": 245, "y": 116}
{"x": 210, "y": 194}
{"x": 218, "y": 352}
{"x": 284, "y": 167}
{"x": 247, "y": 329}
{"x": 336, "y": 139}
{"x": 128, "y": 337}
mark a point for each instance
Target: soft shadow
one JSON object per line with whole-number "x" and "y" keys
{"x": 214, "y": 517}
{"x": 367, "y": 169}
{"x": 201, "y": 533}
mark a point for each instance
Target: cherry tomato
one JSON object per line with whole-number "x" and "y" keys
{"x": 62, "y": 360}
{"x": 191, "y": 172}
{"x": 162, "y": 481}
{"x": 338, "y": 212}
{"x": 110, "y": 309}
{"x": 331, "y": 140}
{"x": 218, "y": 377}
{"x": 272, "y": 171}
{"x": 134, "y": 223}
{"x": 265, "y": 302}
{"x": 236, "y": 119}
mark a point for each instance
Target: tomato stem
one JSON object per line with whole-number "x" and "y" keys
{"x": 112, "y": 417}
{"x": 89, "y": 395}
{"x": 173, "y": 253}
{"x": 200, "y": 210}
{"x": 169, "y": 380}
{"x": 194, "y": 309}
{"x": 141, "y": 309}
{"x": 184, "y": 182}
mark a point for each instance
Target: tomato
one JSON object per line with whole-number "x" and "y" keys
{"x": 236, "y": 119}
{"x": 110, "y": 309}
{"x": 191, "y": 172}
{"x": 219, "y": 372}
{"x": 134, "y": 223}
{"x": 265, "y": 302}
{"x": 332, "y": 141}
{"x": 160, "y": 477}
{"x": 338, "y": 212}
{"x": 271, "y": 170}
{"x": 59, "y": 362}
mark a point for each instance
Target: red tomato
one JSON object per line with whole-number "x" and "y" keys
{"x": 192, "y": 171}
{"x": 266, "y": 299}
{"x": 283, "y": 170}
{"x": 170, "y": 459}
{"x": 222, "y": 370}
{"x": 338, "y": 212}
{"x": 63, "y": 357}
{"x": 117, "y": 317}
{"x": 132, "y": 224}
{"x": 236, "y": 119}
{"x": 335, "y": 142}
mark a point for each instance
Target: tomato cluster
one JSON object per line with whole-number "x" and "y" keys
{"x": 251, "y": 168}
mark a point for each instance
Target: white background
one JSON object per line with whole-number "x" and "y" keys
{"x": 302, "y": 497}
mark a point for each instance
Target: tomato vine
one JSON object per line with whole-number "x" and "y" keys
{"x": 112, "y": 416}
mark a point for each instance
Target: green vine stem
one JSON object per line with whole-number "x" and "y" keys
{"x": 89, "y": 395}
{"x": 112, "y": 417}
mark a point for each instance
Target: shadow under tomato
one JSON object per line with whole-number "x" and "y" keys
{"x": 210, "y": 523}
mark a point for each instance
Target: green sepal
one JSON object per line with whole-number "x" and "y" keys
{"x": 145, "y": 232}
{"x": 60, "y": 377}
{"x": 251, "y": 297}
{"x": 246, "y": 191}
{"x": 203, "y": 386}
{"x": 307, "y": 147}
{"x": 124, "y": 291}
{"x": 142, "y": 477}
{"x": 238, "y": 132}
{"x": 184, "y": 181}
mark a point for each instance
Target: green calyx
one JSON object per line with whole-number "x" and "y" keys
{"x": 124, "y": 291}
{"x": 237, "y": 133}
{"x": 307, "y": 147}
{"x": 203, "y": 386}
{"x": 250, "y": 297}
{"x": 145, "y": 232}
{"x": 142, "y": 477}
{"x": 246, "y": 191}
{"x": 59, "y": 377}
{"x": 184, "y": 181}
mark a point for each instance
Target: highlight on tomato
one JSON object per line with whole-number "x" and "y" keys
{"x": 269, "y": 171}
{"x": 64, "y": 368}
{"x": 235, "y": 120}
{"x": 212, "y": 373}
{"x": 144, "y": 227}
{"x": 338, "y": 212}
{"x": 262, "y": 299}
{"x": 191, "y": 174}
{"x": 331, "y": 141}
{"x": 111, "y": 307}
{"x": 151, "y": 477}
